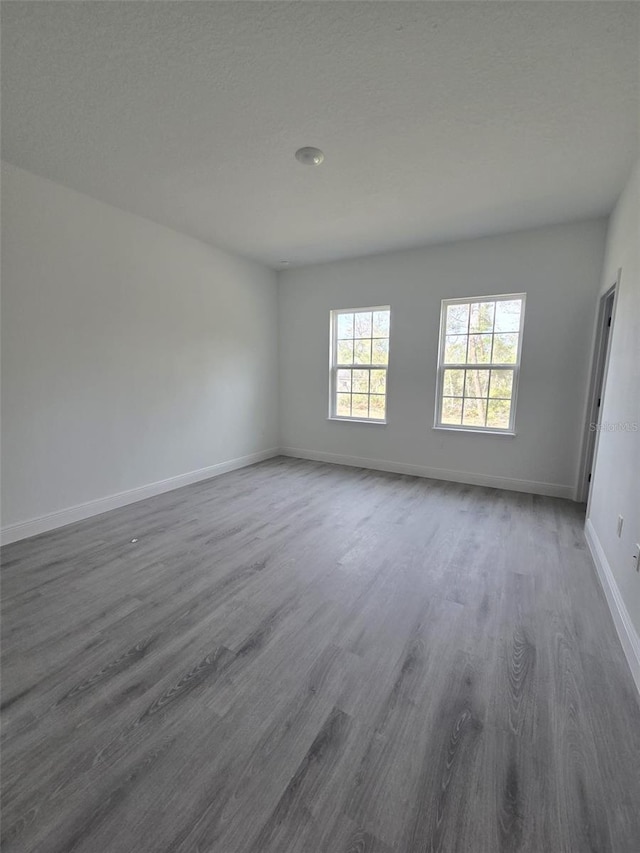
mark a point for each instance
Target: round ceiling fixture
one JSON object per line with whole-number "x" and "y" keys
{"x": 309, "y": 156}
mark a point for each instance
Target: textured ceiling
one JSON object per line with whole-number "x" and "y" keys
{"x": 438, "y": 120}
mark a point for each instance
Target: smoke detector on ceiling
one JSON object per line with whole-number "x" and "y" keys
{"x": 309, "y": 156}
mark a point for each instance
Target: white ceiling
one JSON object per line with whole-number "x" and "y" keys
{"x": 438, "y": 120}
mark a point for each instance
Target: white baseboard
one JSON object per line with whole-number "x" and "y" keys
{"x": 621, "y": 619}
{"x": 24, "y": 529}
{"x": 554, "y": 490}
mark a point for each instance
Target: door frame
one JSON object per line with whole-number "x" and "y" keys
{"x": 597, "y": 388}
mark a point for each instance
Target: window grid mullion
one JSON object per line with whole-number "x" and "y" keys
{"x": 501, "y": 365}
{"x": 371, "y": 366}
{"x": 352, "y": 365}
{"x": 514, "y": 367}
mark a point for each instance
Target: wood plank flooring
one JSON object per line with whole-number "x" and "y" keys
{"x": 304, "y": 657}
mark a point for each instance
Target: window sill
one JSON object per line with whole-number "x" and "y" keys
{"x": 463, "y": 430}
{"x": 357, "y": 421}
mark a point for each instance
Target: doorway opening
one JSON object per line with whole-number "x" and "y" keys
{"x": 597, "y": 386}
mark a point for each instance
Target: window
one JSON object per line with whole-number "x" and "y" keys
{"x": 479, "y": 362}
{"x": 359, "y": 360}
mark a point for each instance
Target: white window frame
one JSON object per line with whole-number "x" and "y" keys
{"x": 334, "y": 366}
{"x": 502, "y": 297}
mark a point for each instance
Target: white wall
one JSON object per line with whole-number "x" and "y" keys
{"x": 616, "y": 477}
{"x": 130, "y": 353}
{"x": 558, "y": 267}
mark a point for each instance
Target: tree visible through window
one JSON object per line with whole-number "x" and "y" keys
{"x": 479, "y": 362}
{"x": 359, "y": 360}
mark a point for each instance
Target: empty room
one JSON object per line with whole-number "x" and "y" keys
{"x": 320, "y": 409}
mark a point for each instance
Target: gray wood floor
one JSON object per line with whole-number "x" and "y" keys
{"x": 304, "y": 657}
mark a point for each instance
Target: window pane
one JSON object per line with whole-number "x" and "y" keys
{"x": 344, "y": 380}
{"x": 381, "y": 324}
{"x": 377, "y": 407}
{"x": 378, "y": 379}
{"x": 475, "y": 412}
{"x": 361, "y": 381}
{"x": 476, "y": 383}
{"x": 508, "y": 315}
{"x": 362, "y": 352}
{"x": 455, "y": 349}
{"x": 505, "y": 349}
{"x": 457, "y": 319}
{"x": 343, "y": 405}
{"x": 498, "y": 414}
{"x": 362, "y": 325}
{"x": 501, "y": 383}
{"x": 453, "y": 384}
{"x": 481, "y": 319}
{"x": 360, "y": 356}
{"x": 360, "y": 406}
{"x": 345, "y": 326}
{"x": 479, "y": 335}
{"x": 380, "y": 351}
{"x": 479, "y": 349}
{"x": 451, "y": 410}
{"x": 345, "y": 352}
